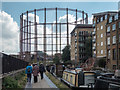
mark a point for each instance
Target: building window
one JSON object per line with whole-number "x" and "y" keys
{"x": 98, "y": 52}
{"x": 110, "y": 19}
{"x": 114, "y": 54}
{"x": 75, "y": 34}
{"x": 108, "y": 54}
{"x": 81, "y": 44}
{"x": 80, "y": 38}
{"x": 101, "y": 51}
{"x": 116, "y": 16}
{"x": 101, "y": 27}
{"x": 94, "y": 52}
{"x": 113, "y": 27}
{"x": 80, "y": 56}
{"x": 114, "y": 39}
{"x": 101, "y": 19}
{"x": 97, "y": 28}
{"x": 108, "y": 29}
{"x": 101, "y": 35}
{"x": 105, "y": 17}
{"x": 101, "y": 43}
{"x": 81, "y": 32}
{"x": 98, "y": 20}
{"x": 98, "y": 44}
{"x": 108, "y": 41}
{"x": 114, "y": 67}
{"x": 98, "y": 36}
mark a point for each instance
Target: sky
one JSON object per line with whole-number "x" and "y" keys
{"x": 11, "y": 11}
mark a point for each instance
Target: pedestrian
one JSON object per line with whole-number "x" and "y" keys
{"x": 52, "y": 69}
{"x": 35, "y": 73}
{"x": 28, "y": 71}
{"x": 41, "y": 70}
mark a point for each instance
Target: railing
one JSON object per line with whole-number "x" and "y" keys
{"x": 10, "y": 64}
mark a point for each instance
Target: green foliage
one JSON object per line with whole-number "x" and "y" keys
{"x": 10, "y": 82}
{"x": 20, "y": 75}
{"x": 66, "y": 54}
{"x": 56, "y": 59}
{"x": 18, "y": 81}
{"x": 88, "y": 48}
{"x": 57, "y": 82}
{"x": 102, "y": 62}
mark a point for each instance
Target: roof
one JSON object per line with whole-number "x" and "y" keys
{"x": 104, "y": 13}
{"x": 82, "y": 26}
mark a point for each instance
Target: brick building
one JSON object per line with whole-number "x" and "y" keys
{"x": 78, "y": 37}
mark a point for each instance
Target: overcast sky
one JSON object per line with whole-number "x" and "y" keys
{"x": 9, "y": 17}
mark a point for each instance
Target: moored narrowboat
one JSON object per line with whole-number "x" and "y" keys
{"x": 79, "y": 78}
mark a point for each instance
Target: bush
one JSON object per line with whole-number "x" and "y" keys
{"x": 102, "y": 62}
{"x": 57, "y": 82}
{"x": 10, "y": 82}
{"x": 18, "y": 81}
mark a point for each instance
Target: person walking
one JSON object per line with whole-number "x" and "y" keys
{"x": 28, "y": 71}
{"x": 35, "y": 73}
{"x": 41, "y": 70}
{"x": 52, "y": 69}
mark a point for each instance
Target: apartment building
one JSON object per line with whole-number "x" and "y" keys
{"x": 113, "y": 42}
{"x": 78, "y": 37}
{"x": 99, "y": 33}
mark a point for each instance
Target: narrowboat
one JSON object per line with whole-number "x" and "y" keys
{"x": 78, "y": 78}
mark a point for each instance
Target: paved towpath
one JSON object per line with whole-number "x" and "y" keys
{"x": 44, "y": 83}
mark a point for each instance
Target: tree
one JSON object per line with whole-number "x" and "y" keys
{"x": 66, "y": 54}
{"x": 56, "y": 59}
{"x": 102, "y": 62}
{"x": 88, "y": 48}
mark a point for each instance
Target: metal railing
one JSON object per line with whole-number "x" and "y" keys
{"x": 10, "y": 64}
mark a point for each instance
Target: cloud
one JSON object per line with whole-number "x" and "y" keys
{"x": 90, "y": 19}
{"x": 10, "y": 32}
{"x": 9, "y": 37}
{"x": 31, "y": 17}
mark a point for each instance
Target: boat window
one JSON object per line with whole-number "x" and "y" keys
{"x": 67, "y": 77}
{"x": 71, "y": 78}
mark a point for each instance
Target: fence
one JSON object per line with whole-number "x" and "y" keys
{"x": 107, "y": 83}
{"x": 10, "y": 63}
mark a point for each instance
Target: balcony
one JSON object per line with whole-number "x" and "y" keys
{"x": 87, "y": 34}
{"x": 75, "y": 46}
{"x": 94, "y": 40}
{"x": 75, "y": 40}
{"x": 80, "y": 40}
{"x": 93, "y": 33}
{"x": 82, "y": 52}
{"x": 93, "y": 48}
